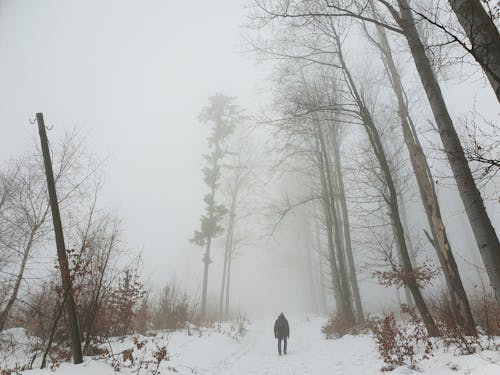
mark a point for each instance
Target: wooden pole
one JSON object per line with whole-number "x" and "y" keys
{"x": 76, "y": 347}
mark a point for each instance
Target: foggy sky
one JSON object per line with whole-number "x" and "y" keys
{"x": 133, "y": 75}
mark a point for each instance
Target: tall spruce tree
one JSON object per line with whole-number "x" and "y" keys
{"x": 222, "y": 115}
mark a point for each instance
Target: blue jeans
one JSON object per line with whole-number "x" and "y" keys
{"x": 279, "y": 345}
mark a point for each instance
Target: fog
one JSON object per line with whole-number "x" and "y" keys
{"x": 132, "y": 78}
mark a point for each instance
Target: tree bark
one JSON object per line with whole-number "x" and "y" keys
{"x": 483, "y": 36}
{"x": 483, "y": 230}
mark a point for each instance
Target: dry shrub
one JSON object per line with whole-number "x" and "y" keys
{"x": 211, "y": 317}
{"x": 37, "y": 311}
{"x": 451, "y": 333}
{"x": 486, "y": 317}
{"x": 486, "y": 313}
{"x": 239, "y": 327}
{"x": 58, "y": 354}
{"x": 338, "y": 326}
{"x": 173, "y": 309}
{"x": 236, "y": 330}
{"x": 399, "y": 344}
{"x": 442, "y": 311}
{"x": 144, "y": 357}
{"x": 41, "y": 313}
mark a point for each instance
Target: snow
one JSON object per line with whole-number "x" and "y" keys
{"x": 15, "y": 346}
{"x": 219, "y": 350}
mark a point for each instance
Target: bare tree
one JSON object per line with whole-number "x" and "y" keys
{"x": 24, "y": 211}
{"x": 306, "y": 126}
{"x": 403, "y": 24}
{"x": 485, "y": 234}
{"x": 428, "y": 195}
{"x": 99, "y": 241}
{"x": 25, "y": 208}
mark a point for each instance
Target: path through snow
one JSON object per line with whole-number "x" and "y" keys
{"x": 214, "y": 352}
{"x": 308, "y": 352}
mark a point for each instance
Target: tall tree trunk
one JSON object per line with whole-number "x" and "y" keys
{"x": 229, "y": 264}
{"x": 428, "y": 195}
{"x": 206, "y": 256}
{"x": 346, "y": 227}
{"x": 392, "y": 199}
{"x": 348, "y": 314}
{"x": 227, "y": 252}
{"x": 484, "y": 231}
{"x": 224, "y": 270}
{"x": 76, "y": 345}
{"x": 409, "y": 300}
{"x": 322, "y": 298}
{"x": 329, "y": 235}
{"x": 483, "y": 36}
{"x": 206, "y": 264}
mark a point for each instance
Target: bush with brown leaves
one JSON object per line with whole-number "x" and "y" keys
{"x": 400, "y": 344}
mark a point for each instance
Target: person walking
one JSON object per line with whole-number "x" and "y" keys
{"x": 281, "y": 332}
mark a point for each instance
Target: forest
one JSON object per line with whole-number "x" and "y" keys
{"x": 175, "y": 176}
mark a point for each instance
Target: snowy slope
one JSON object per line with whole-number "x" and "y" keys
{"x": 215, "y": 352}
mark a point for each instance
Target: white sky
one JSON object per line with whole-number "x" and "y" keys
{"x": 134, "y": 75}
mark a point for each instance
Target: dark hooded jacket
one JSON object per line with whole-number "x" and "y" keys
{"x": 281, "y": 328}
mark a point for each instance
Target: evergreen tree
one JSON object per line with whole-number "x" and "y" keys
{"x": 222, "y": 115}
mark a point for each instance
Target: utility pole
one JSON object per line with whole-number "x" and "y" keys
{"x": 76, "y": 346}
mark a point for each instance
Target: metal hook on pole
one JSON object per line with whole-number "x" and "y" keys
{"x": 33, "y": 122}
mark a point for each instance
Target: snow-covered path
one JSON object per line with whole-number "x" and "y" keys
{"x": 308, "y": 352}
{"x": 214, "y": 352}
